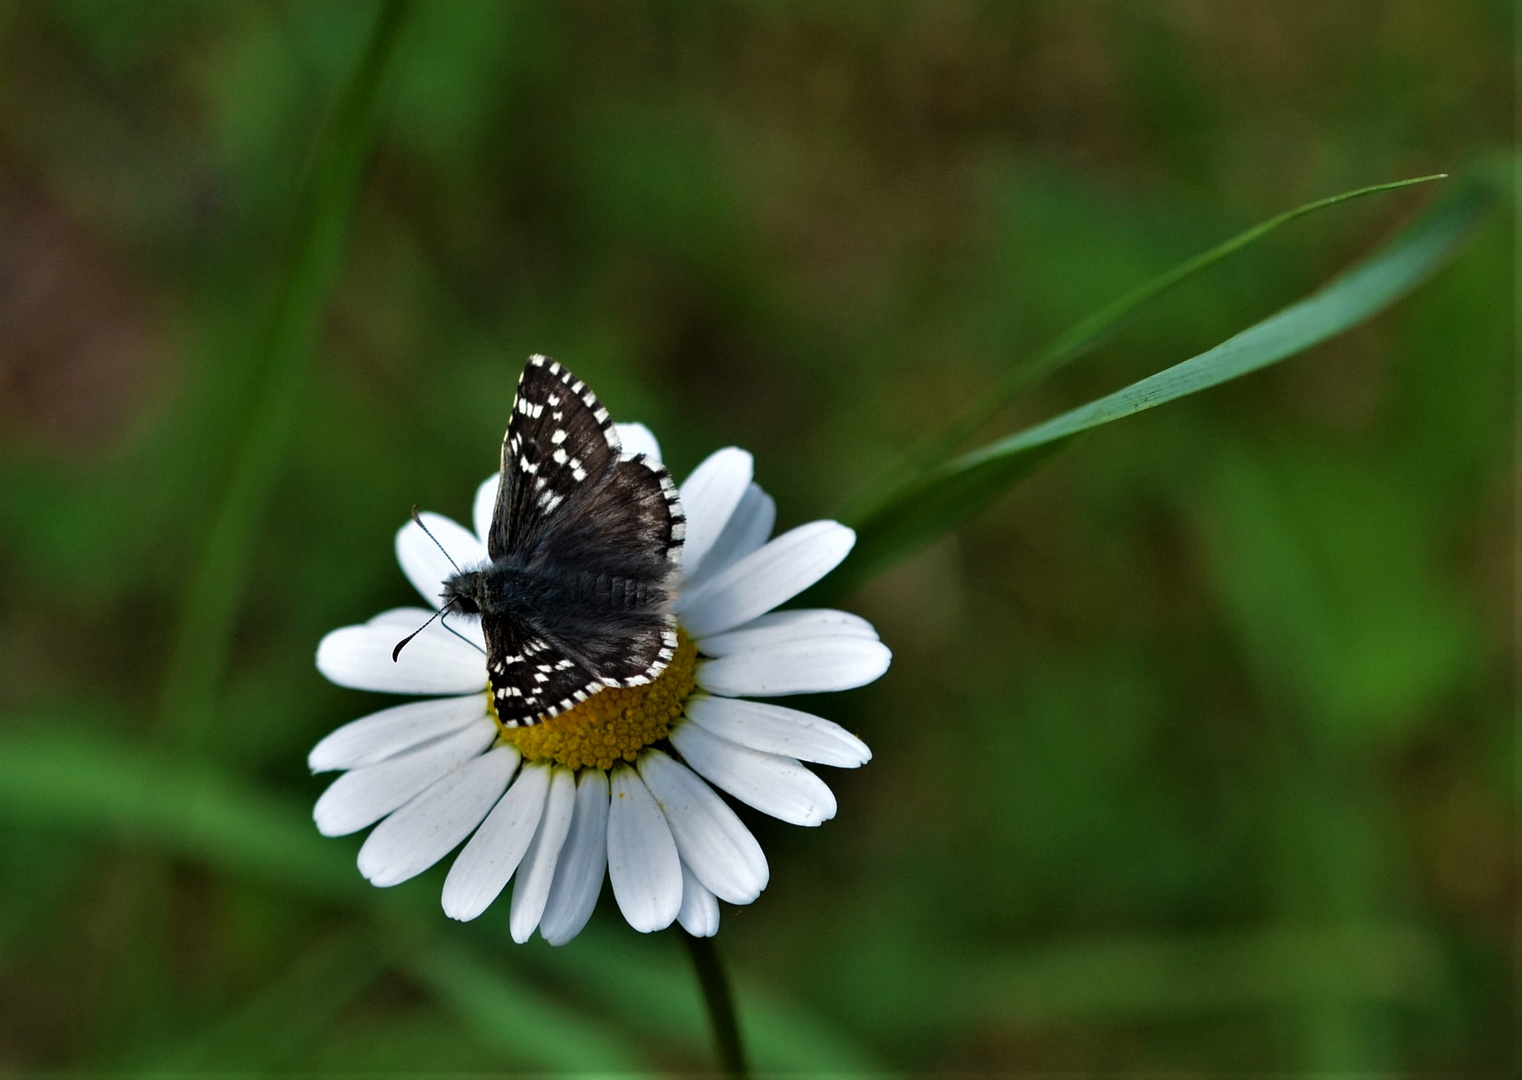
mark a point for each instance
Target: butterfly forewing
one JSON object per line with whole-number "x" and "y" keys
{"x": 559, "y": 439}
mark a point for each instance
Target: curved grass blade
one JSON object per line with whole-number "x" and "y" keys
{"x": 198, "y": 657}
{"x": 1089, "y": 332}
{"x": 949, "y": 494}
{"x": 289, "y": 1012}
{"x": 517, "y": 1020}
{"x": 83, "y": 781}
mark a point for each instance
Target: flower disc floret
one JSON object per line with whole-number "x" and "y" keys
{"x": 612, "y": 725}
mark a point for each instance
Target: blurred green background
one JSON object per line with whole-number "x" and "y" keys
{"x": 1197, "y": 753}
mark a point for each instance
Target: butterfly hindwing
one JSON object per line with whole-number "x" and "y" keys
{"x": 630, "y": 526}
{"x": 617, "y": 547}
{"x": 559, "y": 439}
{"x": 531, "y": 679}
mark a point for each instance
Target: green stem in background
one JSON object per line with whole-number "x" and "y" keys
{"x": 929, "y": 504}
{"x": 198, "y": 657}
{"x": 721, "y": 1004}
{"x": 1084, "y": 336}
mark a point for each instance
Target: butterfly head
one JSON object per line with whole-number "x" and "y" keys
{"x": 466, "y": 593}
{"x": 501, "y": 587}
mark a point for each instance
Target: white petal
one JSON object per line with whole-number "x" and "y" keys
{"x": 804, "y": 667}
{"x": 537, "y": 870}
{"x": 405, "y": 619}
{"x": 428, "y": 828}
{"x": 638, "y": 439}
{"x": 712, "y": 841}
{"x": 363, "y": 796}
{"x": 434, "y": 662}
{"x": 775, "y": 730}
{"x": 699, "y": 914}
{"x": 764, "y": 578}
{"x": 408, "y": 619}
{"x": 467, "y": 627}
{"x": 774, "y": 785}
{"x": 642, "y": 859}
{"x": 391, "y": 731}
{"x": 425, "y": 565}
{"x": 748, "y": 528}
{"x": 709, "y": 498}
{"x": 786, "y": 627}
{"x": 481, "y": 870}
{"x": 583, "y": 862}
{"x": 484, "y": 506}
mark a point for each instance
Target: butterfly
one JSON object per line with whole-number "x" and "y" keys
{"x": 585, "y": 545}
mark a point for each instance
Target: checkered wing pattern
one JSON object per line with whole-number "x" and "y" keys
{"x": 560, "y": 439}
{"x": 599, "y": 537}
{"x": 531, "y": 679}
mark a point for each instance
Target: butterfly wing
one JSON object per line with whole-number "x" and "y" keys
{"x": 602, "y": 537}
{"x": 616, "y": 551}
{"x": 559, "y": 439}
{"x": 531, "y": 678}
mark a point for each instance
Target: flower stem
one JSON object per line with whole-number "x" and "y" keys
{"x": 714, "y": 981}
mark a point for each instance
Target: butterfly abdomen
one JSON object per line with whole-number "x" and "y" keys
{"x": 611, "y": 593}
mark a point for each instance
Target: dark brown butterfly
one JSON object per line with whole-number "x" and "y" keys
{"x": 585, "y": 544}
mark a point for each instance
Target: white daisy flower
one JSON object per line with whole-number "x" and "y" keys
{"x": 623, "y": 784}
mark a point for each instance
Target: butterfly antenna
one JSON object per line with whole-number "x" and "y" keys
{"x": 400, "y": 645}
{"x": 445, "y": 624}
{"x": 435, "y": 540}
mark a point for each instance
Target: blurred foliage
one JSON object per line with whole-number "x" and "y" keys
{"x": 1197, "y": 752}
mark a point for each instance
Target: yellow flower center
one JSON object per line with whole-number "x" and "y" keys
{"x": 614, "y": 724}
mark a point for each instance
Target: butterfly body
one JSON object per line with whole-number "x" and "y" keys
{"x": 507, "y": 588}
{"x": 584, "y": 546}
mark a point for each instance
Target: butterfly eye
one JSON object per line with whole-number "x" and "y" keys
{"x": 465, "y": 605}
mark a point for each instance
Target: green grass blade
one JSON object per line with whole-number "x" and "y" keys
{"x": 92, "y": 784}
{"x": 324, "y": 217}
{"x": 949, "y": 494}
{"x": 1086, "y": 334}
{"x": 288, "y": 1013}
{"x": 516, "y": 1020}
{"x": 1101, "y": 980}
